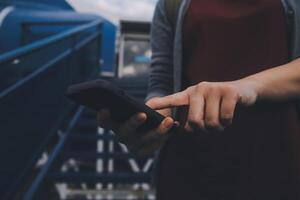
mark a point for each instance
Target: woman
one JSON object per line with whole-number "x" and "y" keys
{"x": 233, "y": 68}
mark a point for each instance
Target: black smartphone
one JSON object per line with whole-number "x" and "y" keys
{"x": 100, "y": 94}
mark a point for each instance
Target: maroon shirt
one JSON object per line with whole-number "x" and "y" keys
{"x": 254, "y": 159}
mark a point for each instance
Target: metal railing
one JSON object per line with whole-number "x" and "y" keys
{"x": 33, "y": 82}
{"x": 32, "y": 31}
{"x": 16, "y": 59}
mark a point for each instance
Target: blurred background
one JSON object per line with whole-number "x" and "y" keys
{"x": 51, "y": 148}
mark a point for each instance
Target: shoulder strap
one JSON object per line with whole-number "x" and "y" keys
{"x": 172, "y": 9}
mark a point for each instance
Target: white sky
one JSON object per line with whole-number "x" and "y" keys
{"x": 114, "y": 10}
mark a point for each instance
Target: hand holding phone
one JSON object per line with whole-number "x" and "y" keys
{"x": 136, "y": 124}
{"x": 142, "y": 143}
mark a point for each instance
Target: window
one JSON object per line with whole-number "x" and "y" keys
{"x": 135, "y": 55}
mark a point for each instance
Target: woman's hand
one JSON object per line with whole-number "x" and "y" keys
{"x": 211, "y": 104}
{"x": 127, "y": 132}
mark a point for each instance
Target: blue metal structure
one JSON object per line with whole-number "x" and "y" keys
{"x": 44, "y": 47}
{"x": 35, "y": 87}
{"x": 41, "y": 4}
{"x": 34, "y": 75}
{"x": 31, "y": 20}
{"x": 108, "y": 64}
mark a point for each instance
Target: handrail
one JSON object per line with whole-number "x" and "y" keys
{"x": 9, "y": 56}
{"x": 41, "y": 23}
{"x": 53, "y": 156}
{"x": 32, "y": 75}
{"x": 42, "y": 69}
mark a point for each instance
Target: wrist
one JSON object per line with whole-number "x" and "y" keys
{"x": 248, "y": 89}
{"x": 255, "y": 87}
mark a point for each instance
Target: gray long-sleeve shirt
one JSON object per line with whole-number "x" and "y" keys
{"x": 166, "y": 44}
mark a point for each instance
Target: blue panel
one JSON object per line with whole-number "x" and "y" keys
{"x": 51, "y": 3}
{"x": 23, "y": 21}
{"x": 108, "y": 48}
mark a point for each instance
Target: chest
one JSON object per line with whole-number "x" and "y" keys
{"x": 244, "y": 11}
{"x": 225, "y": 40}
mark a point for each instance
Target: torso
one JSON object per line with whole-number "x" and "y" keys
{"x": 225, "y": 40}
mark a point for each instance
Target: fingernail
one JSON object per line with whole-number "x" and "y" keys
{"x": 140, "y": 118}
{"x": 168, "y": 123}
{"x": 188, "y": 128}
{"x": 176, "y": 124}
{"x": 168, "y": 126}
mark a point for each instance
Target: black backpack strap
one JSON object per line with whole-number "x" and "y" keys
{"x": 172, "y": 9}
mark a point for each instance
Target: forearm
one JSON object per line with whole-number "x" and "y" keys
{"x": 279, "y": 83}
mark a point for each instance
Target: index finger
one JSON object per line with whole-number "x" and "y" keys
{"x": 177, "y": 99}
